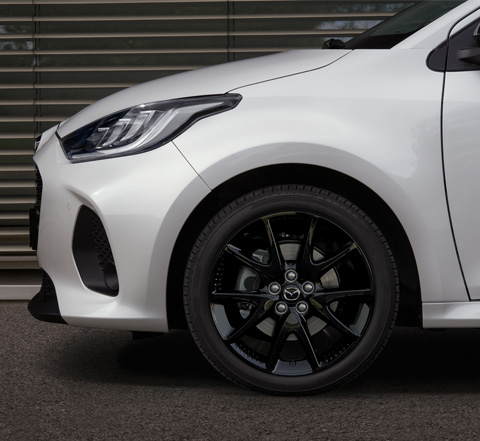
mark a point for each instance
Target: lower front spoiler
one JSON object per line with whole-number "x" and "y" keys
{"x": 44, "y": 306}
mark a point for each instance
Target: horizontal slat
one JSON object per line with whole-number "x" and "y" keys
{"x": 15, "y": 152}
{"x": 17, "y": 184}
{"x": 16, "y": 69}
{"x": 133, "y": 2}
{"x": 16, "y": 249}
{"x": 67, "y": 86}
{"x": 16, "y": 168}
{"x": 101, "y": 69}
{"x": 26, "y": 254}
{"x": 12, "y": 119}
{"x": 325, "y": 16}
{"x": 17, "y": 200}
{"x": 20, "y": 216}
{"x": 15, "y": 263}
{"x": 46, "y": 102}
{"x": 116, "y": 68}
{"x": 17, "y": 103}
{"x": 6, "y": 52}
{"x": 97, "y": 35}
{"x": 18, "y": 232}
{"x": 16, "y": 136}
{"x": 143, "y": 51}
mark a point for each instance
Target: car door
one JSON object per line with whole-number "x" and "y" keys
{"x": 461, "y": 143}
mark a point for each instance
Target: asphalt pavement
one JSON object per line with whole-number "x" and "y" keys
{"x": 63, "y": 383}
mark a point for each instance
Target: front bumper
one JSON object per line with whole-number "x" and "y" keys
{"x": 142, "y": 202}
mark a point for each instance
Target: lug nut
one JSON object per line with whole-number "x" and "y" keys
{"x": 302, "y": 307}
{"x": 274, "y": 288}
{"x": 291, "y": 275}
{"x": 308, "y": 287}
{"x": 281, "y": 308}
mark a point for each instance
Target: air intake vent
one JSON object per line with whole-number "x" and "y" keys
{"x": 93, "y": 254}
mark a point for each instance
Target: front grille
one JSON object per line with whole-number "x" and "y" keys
{"x": 34, "y": 213}
{"x": 38, "y": 189}
{"x": 93, "y": 254}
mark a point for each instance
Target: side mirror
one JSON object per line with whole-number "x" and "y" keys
{"x": 333, "y": 43}
{"x": 476, "y": 34}
{"x": 471, "y": 55}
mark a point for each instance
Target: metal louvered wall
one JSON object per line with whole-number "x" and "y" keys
{"x": 56, "y": 57}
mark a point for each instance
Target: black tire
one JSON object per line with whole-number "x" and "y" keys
{"x": 291, "y": 290}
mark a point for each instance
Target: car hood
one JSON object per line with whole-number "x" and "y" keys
{"x": 208, "y": 81}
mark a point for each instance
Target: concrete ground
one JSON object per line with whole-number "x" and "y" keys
{"x": 63, "y": 383}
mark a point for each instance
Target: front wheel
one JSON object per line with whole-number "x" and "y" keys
{"x": 291, "y": 290}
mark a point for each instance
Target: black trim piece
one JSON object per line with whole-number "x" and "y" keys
{"x": 437, "y": 60}
{"x": 45, "y": 309}
{"x": 33, "y": 221}
{"x": 34, "y": 213}
{"x": 44, "y": 306}
{"x": 93, "y": 254}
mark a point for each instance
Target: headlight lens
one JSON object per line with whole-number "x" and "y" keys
{"x": 142, "y": 128}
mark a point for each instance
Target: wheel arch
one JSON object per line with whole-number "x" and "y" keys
{"x": 355, "y": 191}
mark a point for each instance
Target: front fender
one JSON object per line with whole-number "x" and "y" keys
{"x": 386, "y": 137}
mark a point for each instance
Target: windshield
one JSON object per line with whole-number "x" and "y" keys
{"x": 391, "y": 32}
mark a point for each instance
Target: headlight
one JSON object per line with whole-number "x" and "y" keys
{"x": 142, "y": 128}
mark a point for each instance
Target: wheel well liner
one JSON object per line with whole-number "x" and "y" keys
{"x": 355, "y": 191}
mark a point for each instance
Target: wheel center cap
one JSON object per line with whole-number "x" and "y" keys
{"x": 291, "y": 293}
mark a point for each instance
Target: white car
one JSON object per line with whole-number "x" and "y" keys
{"x": 285, "y": 208}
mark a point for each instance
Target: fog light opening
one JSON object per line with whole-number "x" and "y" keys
{"x": 111, "y": 278}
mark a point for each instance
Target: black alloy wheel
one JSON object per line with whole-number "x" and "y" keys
{"x": 291, "y": 290}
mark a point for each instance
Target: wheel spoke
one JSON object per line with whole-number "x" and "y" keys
{"x": 259, "y": 298}
{"x": 322, "y": 267}
{"x": 258, "y": 316}
{"x": 304, "y": 335}
{"x": 277, "y": 264}
{"x": 262, "y": 301}
{"x": 260, "y": 268}
{"x": 306, "y": 253}
{"x": 280, "y": 335}
{"x": 271, "y": 271}
{"x": 327, "y": 297}
{"x": 327, "y": 315}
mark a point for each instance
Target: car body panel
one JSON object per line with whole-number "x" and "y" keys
{"x": 451, "y": 315}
